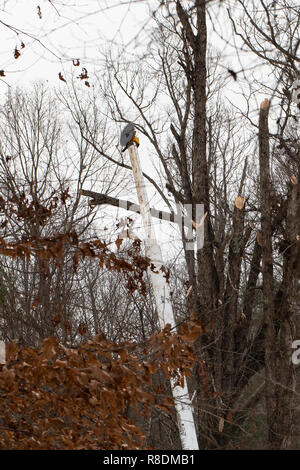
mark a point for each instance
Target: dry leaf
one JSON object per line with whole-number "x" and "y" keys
{"x": 16, "y": 53}
{"x": 56, "y": 320}
{"x": 35, "y": 303}
{"x": 239, "y": 202}
{"x": 60, "y": 76}
{"x": 82, "y": 329}
{"x": 119, "y": 242}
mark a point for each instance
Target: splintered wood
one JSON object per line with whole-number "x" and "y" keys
{"x": 2, "y": 353}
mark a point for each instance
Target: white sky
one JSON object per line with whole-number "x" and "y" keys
{"x": 84, "y": 29}
{"x": 71, "y": 29}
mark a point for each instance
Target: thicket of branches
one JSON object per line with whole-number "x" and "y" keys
{"x": 63, "y": 277}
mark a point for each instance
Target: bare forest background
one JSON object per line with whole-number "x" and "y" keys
{"x": 84, "y": 349}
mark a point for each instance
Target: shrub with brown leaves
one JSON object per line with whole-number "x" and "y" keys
{"x": 57, "y": 397}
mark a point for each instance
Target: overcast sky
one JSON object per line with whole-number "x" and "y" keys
{"x": 75, "y": 29}
{"x": 54, "y": 34}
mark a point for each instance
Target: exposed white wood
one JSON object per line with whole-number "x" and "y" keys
{"x": 2, "y": 352}
{"x": 161, "y": 291}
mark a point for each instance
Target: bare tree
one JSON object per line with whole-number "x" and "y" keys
{"x": 173, "y": 96}
{"x": 42, "y": 173}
